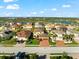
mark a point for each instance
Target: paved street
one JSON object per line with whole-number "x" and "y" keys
{"x": 43, "y": 50}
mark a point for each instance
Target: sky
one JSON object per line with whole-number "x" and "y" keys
{"x": 39, "y": 8}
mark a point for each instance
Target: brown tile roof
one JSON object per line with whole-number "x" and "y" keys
{"x": 28, "y": 25}
{"x": 50, "y": 25}
{"x": 38, "y": 30}
{"x": 16, "y": 25}
{"x": 43, "y": 35}
{"x": 23, "y": 33}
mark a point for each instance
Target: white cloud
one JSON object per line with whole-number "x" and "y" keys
{"x": 41, "y": 12}
{"x": 45, "y": 9}
{"x": 28, "y": 15}
{"x": 1, "y": 7}
{"x": 9, "y": 0}
{"x": 66, "y": 6}
{"x": 53, "y": 9}
{"x": 14, "y": 6}
{"x": 34, "y": 13}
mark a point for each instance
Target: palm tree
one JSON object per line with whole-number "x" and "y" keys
{"x": 71, "y": 37}
{"x": 65, "y": 37}
{"x": 68, "y": 37}
{"x": 54, "y": 35}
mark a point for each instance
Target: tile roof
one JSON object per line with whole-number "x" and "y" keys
{"x": 38, "y": 30}
{"x": 23, "y": 33}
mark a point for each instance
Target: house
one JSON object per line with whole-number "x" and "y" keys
{"x": 70, "y": 27}
{"x": 56, "y": 35}
{"x": 53, "y": 37}
{"x": 61, "y": 28}
{"x": 27, "y": 26}
{"x": 39, "y": 25}
{"x": 37, "y": 32}
{"x": 44, "y": 40}
{"x": 1, "y": 34}
{"x": 15, "y": 26}
{"x": 7, "y": 34}
{"x": 43, "y": 36}
{"x": 18, "y": 23}
{"x": 2, "y": 28}
{"x": 49, "y": 27}
{"x": 23, "y": 35}
{"x": 59, "y": 37}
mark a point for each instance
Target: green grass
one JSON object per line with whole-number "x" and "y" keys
{"x": 6, "y": 54}
{"x": 32, "y": 46}
{"x": 54, "y": 57}
{"x": 8, "y": 42}
{"x": 56, "y": 54}
{"x": 33, "y": 42}
{"x": 52, "y": 43}
{"x": 73, "y": 44}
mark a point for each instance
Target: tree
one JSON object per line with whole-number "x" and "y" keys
{"x": 67, "y": 37}
{"x": 71, "y": 37}
{"x": 54, "y": 35}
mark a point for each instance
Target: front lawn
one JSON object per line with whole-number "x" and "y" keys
{"x": 4, "y": 54}
{"x": 52, "y": 43}
{"x": 73, "y": 44}
{"x": 8, "y": 42}
{"x": 32, "y": 42}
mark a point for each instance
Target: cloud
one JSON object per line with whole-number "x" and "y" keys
{"x": 34, "y": 13}
{"x": 53, "y": 9}
{"x": 9, "y": 0}
{"x": 45, "y": 9}
{"x": 28, "y": 15}
{"x": 41, "y": 12}
{"x": 14, "y": 6}
{"x": 1, "y": 7}
{"x": 66, "y": 6}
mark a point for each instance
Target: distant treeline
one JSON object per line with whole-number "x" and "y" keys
{"x": 35, "y": 19}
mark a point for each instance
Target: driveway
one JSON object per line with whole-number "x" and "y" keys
{"x": 44, "y": 43}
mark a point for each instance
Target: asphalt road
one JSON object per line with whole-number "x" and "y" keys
{"x": 39, "y": 50}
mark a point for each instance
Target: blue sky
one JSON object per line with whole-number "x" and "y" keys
{"x": 39, "y": 8}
